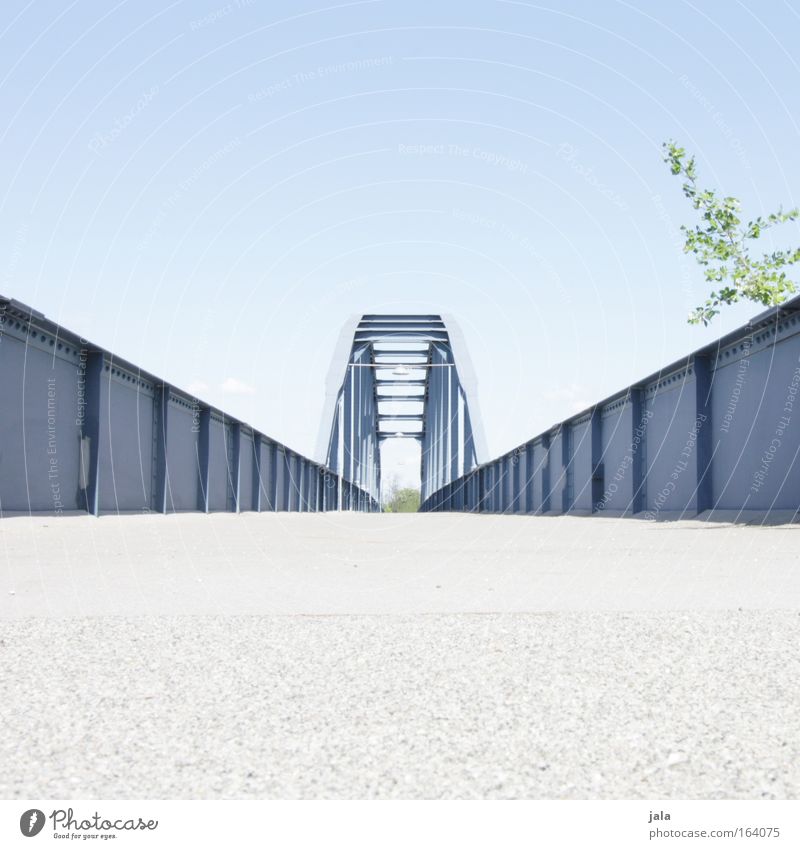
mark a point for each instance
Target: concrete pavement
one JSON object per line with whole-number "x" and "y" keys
{"x": 435, "y": 656}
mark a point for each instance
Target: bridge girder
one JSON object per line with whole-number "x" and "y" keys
{"x": 422, "y": 359}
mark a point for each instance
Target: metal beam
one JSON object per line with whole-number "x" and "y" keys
{"x": 95, "y": 415}
{"x": 203, "y": 455}
{"x": 160, "y": 423}
{"x": 235, "y": 466}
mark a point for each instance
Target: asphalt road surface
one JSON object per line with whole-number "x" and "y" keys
{"x": 431, "y": 656}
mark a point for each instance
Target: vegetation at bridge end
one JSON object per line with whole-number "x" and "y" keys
{"x": 402, "y": 501}
{"x": 722, "y": 245}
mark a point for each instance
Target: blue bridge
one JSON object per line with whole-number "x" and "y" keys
{"x": 84, "y": 430}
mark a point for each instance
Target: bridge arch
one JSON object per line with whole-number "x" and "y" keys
{"x": 401, "y": 376}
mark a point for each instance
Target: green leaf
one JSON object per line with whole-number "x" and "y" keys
{"x": 721, "y": 238}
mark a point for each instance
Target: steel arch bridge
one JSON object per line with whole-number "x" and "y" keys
{"x": 400, "y": 377}
{"x": 82, "y": 429}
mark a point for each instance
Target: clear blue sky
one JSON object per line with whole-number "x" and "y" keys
{"x": 211, "y": 189}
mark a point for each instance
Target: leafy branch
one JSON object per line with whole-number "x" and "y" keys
{"x": 722, "y": 245}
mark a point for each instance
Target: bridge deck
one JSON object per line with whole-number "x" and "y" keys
{"x": 474, "y": 656}
{"x": 342, "y": 563}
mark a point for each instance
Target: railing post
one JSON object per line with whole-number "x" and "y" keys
{"x": 160, "y": 425}
{"x": 278, "y": 477}
{"x": 546, "y": 474}
{"x": 258, "y": 465}
{"x": 235, "y": 470}
{"x": 290, "y": 482}
{"x": 598, "y": 471}
{"x": 302, "y": 501}
{"x": 567, "y": 494}
{"x": 516, "y": 478}
{"x": 94, "y": 429}
{"x": 703, "y": 379}
{"x": 529, "y": 482}
{"x": 638, "y": 429}
{"x": 203, "y": 454}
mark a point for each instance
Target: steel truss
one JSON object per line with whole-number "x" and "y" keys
{"x": 405, "y": 377}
